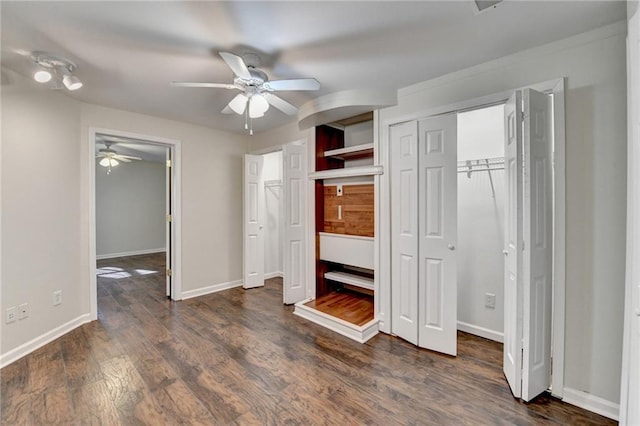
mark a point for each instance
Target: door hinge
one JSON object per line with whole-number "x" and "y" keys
{"x": 169, "y": 163}
{"x": 522, "y": 115}
{"x": 169, "y": 272}
{"x": 169, "y": 218}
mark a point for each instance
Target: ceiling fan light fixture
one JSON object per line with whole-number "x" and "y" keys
{"x": 258, "y": 105}
{"x": 71, "y": 82}
{"x": 109, "y": 162}
{"x": 42, "y": 76}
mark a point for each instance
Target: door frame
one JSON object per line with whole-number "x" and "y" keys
{"x": 174, "y": 146}
{"x": 383, "y": 293}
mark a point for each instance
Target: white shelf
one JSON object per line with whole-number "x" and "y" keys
{"x": 357, "y": 151}
{"x": 351, "y": 279}
{"x": 347, "y": 172}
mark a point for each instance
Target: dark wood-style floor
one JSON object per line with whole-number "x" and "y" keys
{"x": 241, "y": 357}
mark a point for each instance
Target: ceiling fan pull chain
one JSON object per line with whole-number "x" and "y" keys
{"x": 246, "y": 118}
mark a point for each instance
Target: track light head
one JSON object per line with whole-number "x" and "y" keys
{"x": 42, "y": 76}
{"x": 71, "y": 82}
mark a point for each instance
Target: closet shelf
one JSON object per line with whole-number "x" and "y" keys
{"x": 347, "y": 172}
{"x": 351, "y": 279}
{"x": 351, "y": 152}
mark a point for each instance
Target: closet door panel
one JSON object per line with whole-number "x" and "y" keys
{"x": 437, "y": 207}
{"x": 294, "y": 174}
{"x": 404, "y": 229}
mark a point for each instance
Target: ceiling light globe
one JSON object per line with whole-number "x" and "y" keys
{"x": 238, "y": 104}
{"x": 42, "y": 76}
{"x": 258, "y": 105}
{"x": 71, "y": 82}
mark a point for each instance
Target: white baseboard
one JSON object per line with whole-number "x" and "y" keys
{"x": 210, "y": 289}
{"x": 496, "y": 336}
{"x": 591, "y": 403}
{"x": 38, "y": 342}
{"x": 277, "y": 274}
{"x": 129, "y": 253}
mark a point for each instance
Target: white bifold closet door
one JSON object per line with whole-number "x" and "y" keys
{"x": 253, "y": 222}
{"x": 528, "y": 243}
{"x": 424, "y": 232}
{"x": 294, "y": 222}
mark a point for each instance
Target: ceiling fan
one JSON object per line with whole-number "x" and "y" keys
{"x": 110, "y": 158}
{"x": 256, "y": 88}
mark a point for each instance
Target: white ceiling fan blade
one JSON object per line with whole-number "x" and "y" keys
{"x": 236, "y": 64}
{"x": 118, "y": 158}
{"x": 237, "y": 105}
{"x": 128, "y": 157}
{"x": 281, "y": 104}
{"x": 293, "y": 84}
{"x": 197, "y": 84}
{"x": 100, "y": 155}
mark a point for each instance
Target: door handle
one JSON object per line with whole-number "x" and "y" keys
{"x": 505, "y": 252}
{"x": 451, "y": 247}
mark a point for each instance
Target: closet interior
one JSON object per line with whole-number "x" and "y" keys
{"x": 344, "y": 228}
{"x": 481, "y": 192}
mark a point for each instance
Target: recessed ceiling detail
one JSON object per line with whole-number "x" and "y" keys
{"x": 338, "y": 106}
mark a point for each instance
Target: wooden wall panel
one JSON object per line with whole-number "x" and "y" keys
{"x": 357, "y": 210}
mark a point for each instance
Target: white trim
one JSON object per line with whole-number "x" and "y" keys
{"x": 559, "y": 239}
{"x": 347, "y": 172}
{"x": 276, "y": 274}
{"x": 354, "y": 332}
{"x": 176, "y": 238}
{"x": 130, "y": 253}
{"x": 384, "y": 237}
{"x": 591, "y": 403}
{"x": 476, "y": 330}
{"x": 189, "y": 294}
{"x": 38, "y": 342}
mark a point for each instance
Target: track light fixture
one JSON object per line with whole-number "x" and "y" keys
{"x": 52, "y": 66}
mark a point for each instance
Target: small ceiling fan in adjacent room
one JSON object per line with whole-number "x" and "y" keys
{"x": 110, "y": 158}
{"x": 256, "y": 88}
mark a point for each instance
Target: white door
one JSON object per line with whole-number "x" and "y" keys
{"x": 512, "y": 348}
{"x": 437, "y": 226}
{"x": 538, "y": 238}
{"x": 404, "y": 229}
{"x": 528, "y": 244}
{"x": 169, "y": 220}
{"x": 253, "y": 244}
{"x": 294, "y": 222}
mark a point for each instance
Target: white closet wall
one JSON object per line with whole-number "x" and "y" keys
{"x": 480, "y": 223}
{"x": 272, "y": 177}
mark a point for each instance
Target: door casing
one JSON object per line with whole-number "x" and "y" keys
{"x": 175, "y": 238}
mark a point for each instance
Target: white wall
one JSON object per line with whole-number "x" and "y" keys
{"x": 594, "y": 64}
{"x": 481, "y": 223}
{"x": 211, "y": 191}
{"x": 130, "y": 209}
{"x": 45, "y": 200}
{"x": 272, "y": 171}
{"x": 41, "y": 210}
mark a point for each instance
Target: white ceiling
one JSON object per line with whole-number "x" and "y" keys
{"x": 128, "y": 52}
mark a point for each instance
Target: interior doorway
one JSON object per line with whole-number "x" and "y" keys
{"x": 481, "y": 222}
{"x": 163, "y": 259}
{"x": 274, "y": 219}
{"x": 133, "y": 214}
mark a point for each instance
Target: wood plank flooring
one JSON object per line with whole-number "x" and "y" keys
{"x": 241, "y": 357}
{"x": 351, "y": 306}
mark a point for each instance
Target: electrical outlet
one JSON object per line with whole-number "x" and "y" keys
{"x": 57, "y": 297}
{"x": 23, "y": 311}
{"x": 490, "y": 300}
{"x": 12, "y": 314}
